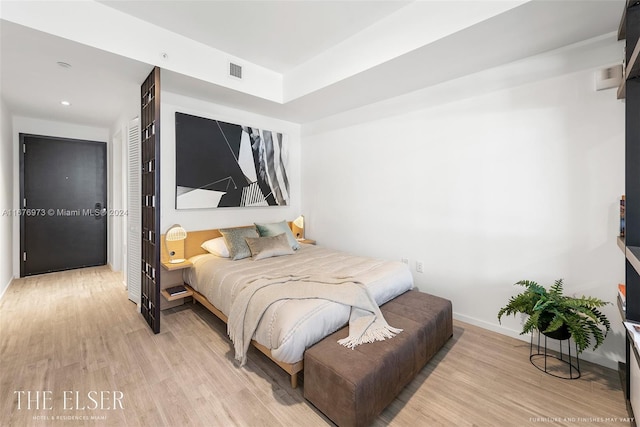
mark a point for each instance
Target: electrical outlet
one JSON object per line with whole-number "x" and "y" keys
{"x": 405, "y": 261}
{"x": 419, "y": 266}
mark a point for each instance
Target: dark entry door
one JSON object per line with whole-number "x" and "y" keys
{"x": 64, "y": 193}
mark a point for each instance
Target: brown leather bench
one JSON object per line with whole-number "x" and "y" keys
{"x": 352, "y": 387}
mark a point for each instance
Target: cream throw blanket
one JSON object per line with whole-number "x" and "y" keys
{"x": 366, "y": 322}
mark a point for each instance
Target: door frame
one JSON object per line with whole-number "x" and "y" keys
{"x": 22, "y": 151}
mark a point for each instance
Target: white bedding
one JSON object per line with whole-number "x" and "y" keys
{"x": 288, "y": 327}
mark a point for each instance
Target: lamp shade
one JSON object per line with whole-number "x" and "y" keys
{"x": 176, "y": 232}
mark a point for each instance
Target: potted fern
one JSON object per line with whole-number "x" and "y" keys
{"x": 559, "y": 316}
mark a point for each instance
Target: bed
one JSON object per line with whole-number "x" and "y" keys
{"x": 289, "y": 326}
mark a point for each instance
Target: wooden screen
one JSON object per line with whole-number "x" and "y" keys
{"x": 150, "y": 174}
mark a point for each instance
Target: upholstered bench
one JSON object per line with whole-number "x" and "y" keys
{"x": 352, "y": 387}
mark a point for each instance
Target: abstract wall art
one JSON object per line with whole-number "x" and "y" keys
{"x": 221, "y": 164}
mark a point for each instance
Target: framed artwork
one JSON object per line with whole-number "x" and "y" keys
{"x": 221, "y": 164}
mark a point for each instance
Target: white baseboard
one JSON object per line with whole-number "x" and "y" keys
{"x": 590, "y": 356}
{"x": 5, "y": 287}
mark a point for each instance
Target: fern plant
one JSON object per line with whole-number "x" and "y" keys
{"x": 551, "y": 313}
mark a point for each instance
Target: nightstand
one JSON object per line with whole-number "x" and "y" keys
{"x": 307, "y": 241}
{"x": 171, "y": 275}
{"x": 177, "y": 266}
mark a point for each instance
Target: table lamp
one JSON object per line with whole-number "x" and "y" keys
{"x": 174, "y": 242}
{"x": 298, "y": 227}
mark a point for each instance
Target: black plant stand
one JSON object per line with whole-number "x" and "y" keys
{"x": 541, "y": 353}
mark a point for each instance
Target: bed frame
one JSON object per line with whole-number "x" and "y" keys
{"x": 192, "y": 248}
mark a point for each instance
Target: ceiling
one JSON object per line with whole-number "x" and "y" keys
{"x": 278, "y": 35}
{"x": 32, "y": 84}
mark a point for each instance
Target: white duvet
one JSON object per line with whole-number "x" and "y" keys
{"x": 289, "y": 326}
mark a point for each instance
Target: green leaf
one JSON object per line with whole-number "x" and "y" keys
{"x": 555, "y": 324}
{"x": 581, "y": 315}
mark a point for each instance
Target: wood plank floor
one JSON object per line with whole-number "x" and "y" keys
{"x": 76, "y": 331}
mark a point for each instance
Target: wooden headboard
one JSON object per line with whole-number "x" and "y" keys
{"x": 192, "y": 243}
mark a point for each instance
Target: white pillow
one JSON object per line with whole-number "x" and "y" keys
{"x": 216, "y": 247}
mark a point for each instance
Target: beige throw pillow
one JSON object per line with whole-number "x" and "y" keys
{"x": 267, "y": 247}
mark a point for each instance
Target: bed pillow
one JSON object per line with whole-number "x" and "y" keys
{"x": 216, "y": 247}
{"x": 267, "y": 247}
{"x": 275, "y": 228}
{"x": 234, "y": 239}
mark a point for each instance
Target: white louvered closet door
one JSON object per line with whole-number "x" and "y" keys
{"x": 134, "y": 214}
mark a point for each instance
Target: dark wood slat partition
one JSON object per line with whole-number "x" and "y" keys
{"x": 150, "y": 132}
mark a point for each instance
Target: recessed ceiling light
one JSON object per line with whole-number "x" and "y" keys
{"x": 63, "y": 64}
{"x": 65, "y": 103}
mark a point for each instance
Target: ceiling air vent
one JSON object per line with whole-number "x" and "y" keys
{"x": 235, "y": 70}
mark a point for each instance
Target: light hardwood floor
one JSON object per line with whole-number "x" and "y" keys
{"x": 76, "y": 331}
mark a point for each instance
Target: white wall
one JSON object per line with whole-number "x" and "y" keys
{"x": 49, "y": 128}
{"x": 202, "y": 219}
{"x": 6, "y": 198}
{"x": 517, "y": 183}
{"x": 115, "y": 205}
